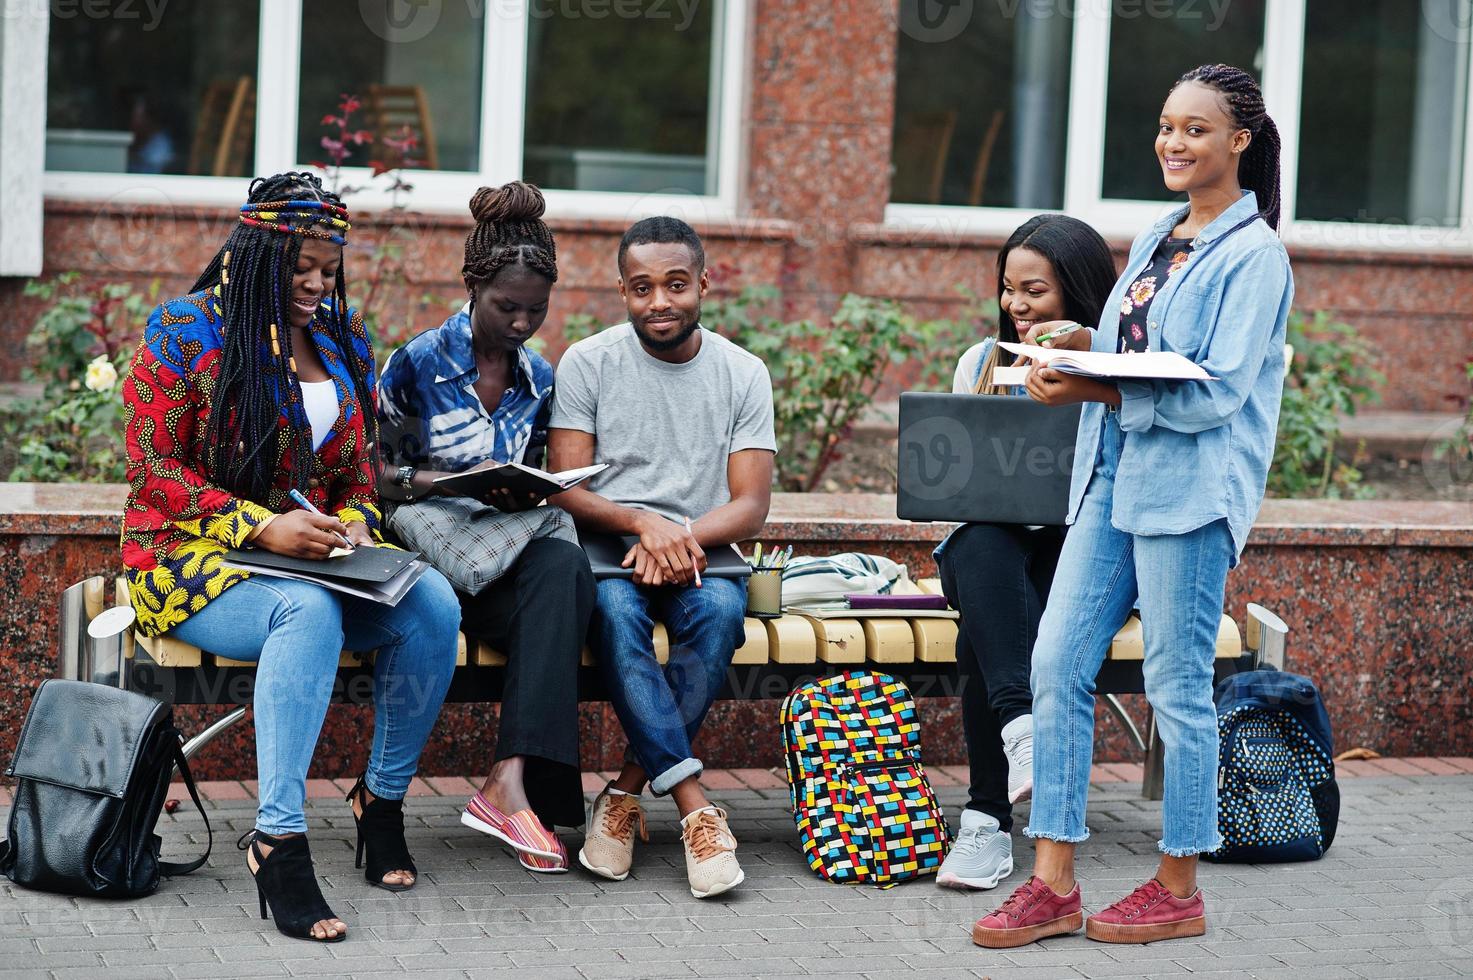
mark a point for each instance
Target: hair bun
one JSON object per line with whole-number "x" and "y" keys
{"x": 511, "y": 203}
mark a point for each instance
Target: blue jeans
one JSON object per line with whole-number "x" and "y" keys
{"x": 661, "y": 709}
{"x": 1176, "y": 581}
{"x": 294, "y": 631}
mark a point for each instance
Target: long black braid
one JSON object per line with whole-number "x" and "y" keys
{"x": 254, "y": 271}
{"x": 1258, "y": 171}
{"x": 509, "y": 231}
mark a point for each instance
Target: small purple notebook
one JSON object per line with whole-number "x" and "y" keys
{"x": 859, "y": 600}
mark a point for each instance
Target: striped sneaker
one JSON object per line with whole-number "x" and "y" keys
{"x": 538, "y": 849}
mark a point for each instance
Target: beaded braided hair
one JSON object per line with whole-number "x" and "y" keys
{"x": 509, "y": 231}
{"x": 253, "y": 271}
{"x": 1258, "y": 171}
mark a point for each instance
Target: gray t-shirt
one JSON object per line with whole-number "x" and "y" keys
{"x": 665, "y": 430}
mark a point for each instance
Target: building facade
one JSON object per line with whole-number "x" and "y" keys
{"x": 883, "y": 147}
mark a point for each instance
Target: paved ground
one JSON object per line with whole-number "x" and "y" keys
{"x": 1394, "y": 898}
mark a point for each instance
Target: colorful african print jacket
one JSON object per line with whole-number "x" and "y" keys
{"x": 177, "y": 524}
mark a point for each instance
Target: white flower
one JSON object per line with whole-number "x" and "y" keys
{"x": 101, "y": 375}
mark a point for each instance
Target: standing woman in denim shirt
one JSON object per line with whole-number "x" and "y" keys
{"x": 1052, "y": 267}
{"x": 1168, "y": 478}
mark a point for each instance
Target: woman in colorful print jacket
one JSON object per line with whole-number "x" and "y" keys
{"x": 258, "y": 383}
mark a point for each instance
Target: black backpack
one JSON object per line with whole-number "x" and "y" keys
{"x": 93, "y": 766}
{"x": 1277, "y": 795}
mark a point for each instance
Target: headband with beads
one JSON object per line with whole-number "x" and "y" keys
{"x": 299, "y": 218}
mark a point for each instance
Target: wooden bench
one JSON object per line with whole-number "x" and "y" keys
{"x": 776, "y": 655}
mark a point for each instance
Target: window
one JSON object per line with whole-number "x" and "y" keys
{"x": 620, "y": 98}
{"x": 1151, "y": 46}
{"x": 981, "y": 109}
{"x": 1371, "y": 98}
{"x": 616, "y": 107}
{"x": 1383, "y": 142}
{"x": 152, "y": 91}
{"x": 421, "y": 78}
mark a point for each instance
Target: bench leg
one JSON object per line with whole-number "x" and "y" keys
{"x": 211, "y": 732}
{"x": 1153, "y": 782}
{"x": 1118, "y": 710}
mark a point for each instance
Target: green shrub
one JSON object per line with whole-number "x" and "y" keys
{"x": 1331, "y": 376}
{"x": 80, "y": 347}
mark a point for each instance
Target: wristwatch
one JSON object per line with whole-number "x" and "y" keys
{"x": 405, "y": 477}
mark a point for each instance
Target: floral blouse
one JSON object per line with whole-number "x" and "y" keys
{"x": 1166, "y": 262}
{"x": 177, "y": 524}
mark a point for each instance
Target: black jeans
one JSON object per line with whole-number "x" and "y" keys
{"x": 537, "y": 614}
{"x": 997, "y": 576}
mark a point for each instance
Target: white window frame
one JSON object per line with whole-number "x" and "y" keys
{"x": 1283, "y": 57}
{"x": 503, "y": 97}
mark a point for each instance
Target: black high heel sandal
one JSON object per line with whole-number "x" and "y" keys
{"x": 381, "y": 834}
{"x": 286, "y": 881}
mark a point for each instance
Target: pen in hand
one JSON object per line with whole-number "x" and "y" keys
{"x": 306, "y": 505}
{"x": 693, "y": 565}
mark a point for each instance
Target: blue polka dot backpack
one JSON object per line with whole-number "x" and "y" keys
{"x": 864, "y": 808}
{"x": 1277, "y": 798}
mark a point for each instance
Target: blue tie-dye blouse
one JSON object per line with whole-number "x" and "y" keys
{"x": 431, "y": 417}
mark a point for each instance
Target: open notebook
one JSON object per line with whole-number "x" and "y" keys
{"x": 1159, "y": 365}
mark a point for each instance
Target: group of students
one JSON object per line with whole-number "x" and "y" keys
{"x": 262, "y": 382}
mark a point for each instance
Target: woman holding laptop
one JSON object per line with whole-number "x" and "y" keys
{"x": 997, "y": 575}
{"x": 1168, "y": 477}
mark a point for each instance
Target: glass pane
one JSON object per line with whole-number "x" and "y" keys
{"x": 620, "y": 96}
{"x": 413, "y": 66}
{"x": 169, "y": 90}
{"x": 1383, "y": 142}
{"x": 981, "y": 105}
{"x": 1151, "y": 46}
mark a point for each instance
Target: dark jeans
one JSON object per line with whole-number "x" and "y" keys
{"x": 537, "y": 614}
{"x": 997, "y": 576}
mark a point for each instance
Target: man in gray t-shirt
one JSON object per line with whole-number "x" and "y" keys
{"x": 683, "y": 417}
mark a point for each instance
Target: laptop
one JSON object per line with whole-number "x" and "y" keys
{"x": 999, "y": 459}
{"x": 606, "y": 551}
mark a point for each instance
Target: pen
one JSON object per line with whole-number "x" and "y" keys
{"x": 693, "y": 557}
{"x": 306, "y": 505}
{"x": 1061, "y": 332}
{"x": 757, "y": 555}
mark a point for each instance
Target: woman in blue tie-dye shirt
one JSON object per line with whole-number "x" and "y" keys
{"x": 470, "y": 393}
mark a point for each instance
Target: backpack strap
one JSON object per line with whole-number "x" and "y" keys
{"x": 170, "y": 868}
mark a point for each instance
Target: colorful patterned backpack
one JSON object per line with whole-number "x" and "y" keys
{"x": 864, "y": 809}
{"x": 1277, "y": 795}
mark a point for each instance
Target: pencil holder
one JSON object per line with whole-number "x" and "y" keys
{"x": 765, "y": 593}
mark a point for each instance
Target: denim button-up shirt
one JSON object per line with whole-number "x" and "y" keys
{"x": 431, "y": 415}
{"x": 1199, "y": 451}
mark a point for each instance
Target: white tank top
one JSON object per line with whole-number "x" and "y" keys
{"x": 320, "y": 399}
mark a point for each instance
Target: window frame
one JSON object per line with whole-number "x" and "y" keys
{"x": 503, "y": 101}
{"x": 1283, "y": 56}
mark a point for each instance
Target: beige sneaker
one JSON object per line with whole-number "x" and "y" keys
{"x": 710, "y": 853}
{"x": 608, "y": 848}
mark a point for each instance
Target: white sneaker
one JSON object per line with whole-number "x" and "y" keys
{"x": 1017, "y": 745}
{"x": 981, "y": 855}
{"x": 710, "y": 852}
{"x": 608, "y": 843}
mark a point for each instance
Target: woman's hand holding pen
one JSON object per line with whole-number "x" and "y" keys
{"x": 302, "y": 534}
{"x": 1074, "y": 340}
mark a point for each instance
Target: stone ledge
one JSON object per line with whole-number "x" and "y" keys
{"x": 93, "y": 509}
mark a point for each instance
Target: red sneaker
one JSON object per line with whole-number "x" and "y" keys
{"x": 1031, "y": 913}
{"x": 1148, "y": 914}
